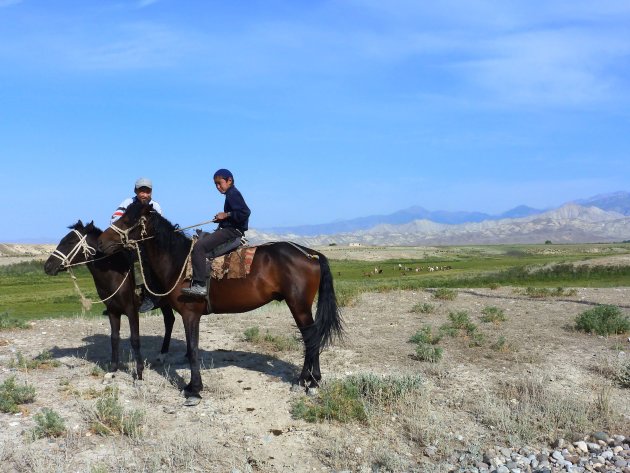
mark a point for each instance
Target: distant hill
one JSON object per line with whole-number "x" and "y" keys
{"x": 571, "y": 223}
{"x": 615, "y": 202}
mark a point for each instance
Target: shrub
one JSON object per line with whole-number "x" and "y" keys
{"x": 42, "y": 361}
{"x": 11, "y": 395}
{"x": 7, "y": 323}
{"x": 351, "y": 399}
{"x": 461, "y": 325}
{"x": 423, "y": 308}
{"x": 425, "y": 335}
{"x": 426, "y": 352}
{"x": 493, "y": 314}
{"x": 445, "y": 294}
{"x": 269, "y": 341}
{"x": 49, "y": 424}
{"x": 603, "y": 320}
{"x": 110, "y": 417}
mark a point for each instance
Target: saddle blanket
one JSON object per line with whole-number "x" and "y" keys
{"x": 233, "y": 265}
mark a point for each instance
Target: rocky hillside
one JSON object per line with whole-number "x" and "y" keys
{"x": 568, "y": 224}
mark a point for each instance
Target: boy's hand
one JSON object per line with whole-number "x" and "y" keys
{"x": 220, "y": 216}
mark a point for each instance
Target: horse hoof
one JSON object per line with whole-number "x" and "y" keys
{"x": 138, "y": 383}
{"x": 312, "y": 392}
{"x": 296, "y": 388}
{"x": 192, "y": 401}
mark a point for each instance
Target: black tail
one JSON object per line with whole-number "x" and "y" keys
{"x": 327, "y": 318}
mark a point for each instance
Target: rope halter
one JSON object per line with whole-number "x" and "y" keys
{"x": 127, "y": 242}
{"x": 81, "y": 245}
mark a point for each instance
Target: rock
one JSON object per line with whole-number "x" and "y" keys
{"x": 581, "y": 445}
{"x": 601, "y": 436}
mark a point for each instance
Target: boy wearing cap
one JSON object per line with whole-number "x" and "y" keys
{"x": 143, "y": 190}
{"x": 233, "y": 223}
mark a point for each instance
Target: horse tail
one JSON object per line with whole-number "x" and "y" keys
{"x": 327, "y": 317}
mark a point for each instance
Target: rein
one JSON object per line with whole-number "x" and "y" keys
{"x": 88, "y": 254}
{"x": 135, "y": 245}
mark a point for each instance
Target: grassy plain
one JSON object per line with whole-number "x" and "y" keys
{"x": 28, "y": 293}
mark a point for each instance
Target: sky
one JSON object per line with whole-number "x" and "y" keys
{"x": 322, "y": 110}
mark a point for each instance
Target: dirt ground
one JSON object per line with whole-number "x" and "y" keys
{"x": 244, "y": 421}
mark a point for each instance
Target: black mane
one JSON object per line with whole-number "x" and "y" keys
{"x": 90, "y": 228}
{"x": 166, "y": 234}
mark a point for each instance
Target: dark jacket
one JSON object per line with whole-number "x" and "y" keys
{"x": 238, "y": 209}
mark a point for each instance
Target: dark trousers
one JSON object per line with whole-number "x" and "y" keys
{"x": 206, "y": 243}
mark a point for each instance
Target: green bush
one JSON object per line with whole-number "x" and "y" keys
{"x": 493, "y": 314}
{"x": 445, "y": 294}
{"x": 425, "y": 335}
{"x": 11, "y": 395}
{"x": 427, "y": 352}
{"x": 109, "y": 416}
{"x": 7, "y": 323}
{"x": 49, "y": 424}
{"x": 603, "y": 320}
{"x": 352, "y": 398}
{"x": 423, "y": 308}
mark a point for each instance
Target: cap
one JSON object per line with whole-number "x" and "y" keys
{"x": 224, "y": 173}
{"x": 144, "y": 182}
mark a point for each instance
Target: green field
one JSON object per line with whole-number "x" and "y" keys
{"x": 28, "y": 293}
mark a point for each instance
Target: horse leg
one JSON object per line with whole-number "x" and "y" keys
{"x": 310, "y": 375}
{"x": 134, "y": 329}
{"x": 114, "y": 323}
{"x": 169, "y": 321}
{"x": 192, "y": 389}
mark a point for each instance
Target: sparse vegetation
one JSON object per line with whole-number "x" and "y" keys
{"x": 109, "y": 417}
{"x": 12, "y": 395}
{"x": 445, "y": 294}
{"x": 426, "y": 341}
{"x": 423, "y": 308}
{"x": 8, "y": 323}
{"x": 460, "y": 325}
{"x": 354, "y": 397}
{"x": 42, "y": 361}
{"x": 271, "y": 342}
{"x": 603, "y": 320}
{"x": 49, "y": 424}
{"x": 492, "y": 314}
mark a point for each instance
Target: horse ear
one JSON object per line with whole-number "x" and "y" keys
{"x": 79, "y": 224}
{"x": 90, "y": 226}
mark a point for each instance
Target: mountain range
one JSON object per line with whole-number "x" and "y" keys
{"x": 601, "y": 218}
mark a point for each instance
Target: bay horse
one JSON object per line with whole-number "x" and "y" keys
{"x": 114, "y": 280}
{"x": 279, "y": 271}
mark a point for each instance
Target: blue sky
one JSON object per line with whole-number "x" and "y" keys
{"x": 323, "y": 110}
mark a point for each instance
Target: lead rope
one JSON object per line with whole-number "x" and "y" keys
{"x": 86, "y": 303}
{"x": 301, "y": 250}
{"x": 144, "y": 279}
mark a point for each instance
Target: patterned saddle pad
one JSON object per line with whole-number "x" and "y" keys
{"x": 233, "y": 265}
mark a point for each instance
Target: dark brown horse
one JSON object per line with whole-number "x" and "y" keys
{"x": 114, "y": 281}
{"x": 279, "y": 271}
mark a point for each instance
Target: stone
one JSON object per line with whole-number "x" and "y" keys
{"x": 581, "y": 445}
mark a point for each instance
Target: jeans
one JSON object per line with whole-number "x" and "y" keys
{"x": 206, "y": 243}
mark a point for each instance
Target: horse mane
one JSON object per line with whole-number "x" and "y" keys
{"x": 90, "y": 228}
{"x": 166, "y": 235}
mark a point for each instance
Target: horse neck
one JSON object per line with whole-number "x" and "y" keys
{"x": 166, "y": 263}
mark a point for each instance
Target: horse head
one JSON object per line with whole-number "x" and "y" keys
{"x": 78, "y": 246}
{"x": 134, "y": 225}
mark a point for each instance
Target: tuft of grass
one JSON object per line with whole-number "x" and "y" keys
{"x": 603, "y": 320}
{"x": 425, "y": 335}
{"x": 12, "y": 395}
{"x": 49, "y": 424}
{"x": 431, "y": 353}
{"x": 353, "y": 398}
{"x": 460, "y": 325}
{"x": 445, "y": 294}
{"x": 8, "y": 323}
{"x": 271, "y": 342}
{"x": 42, "y": 361}
{"x": 423, "y": 308}
{"x": 501, "y": 345}
{"x": 493, "y": 314}
{"x": 109, "y": 416}
{"x": 425, "y": 342}
{"x": 622, "y": 376}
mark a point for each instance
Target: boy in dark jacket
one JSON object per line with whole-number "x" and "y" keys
{"x": 232, "y": 224}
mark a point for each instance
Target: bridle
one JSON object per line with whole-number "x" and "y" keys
{"x": 81, "y": 245}
{"x": 127, "y": 242}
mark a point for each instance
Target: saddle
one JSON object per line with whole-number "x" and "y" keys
{"x": 232, "y": 259}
